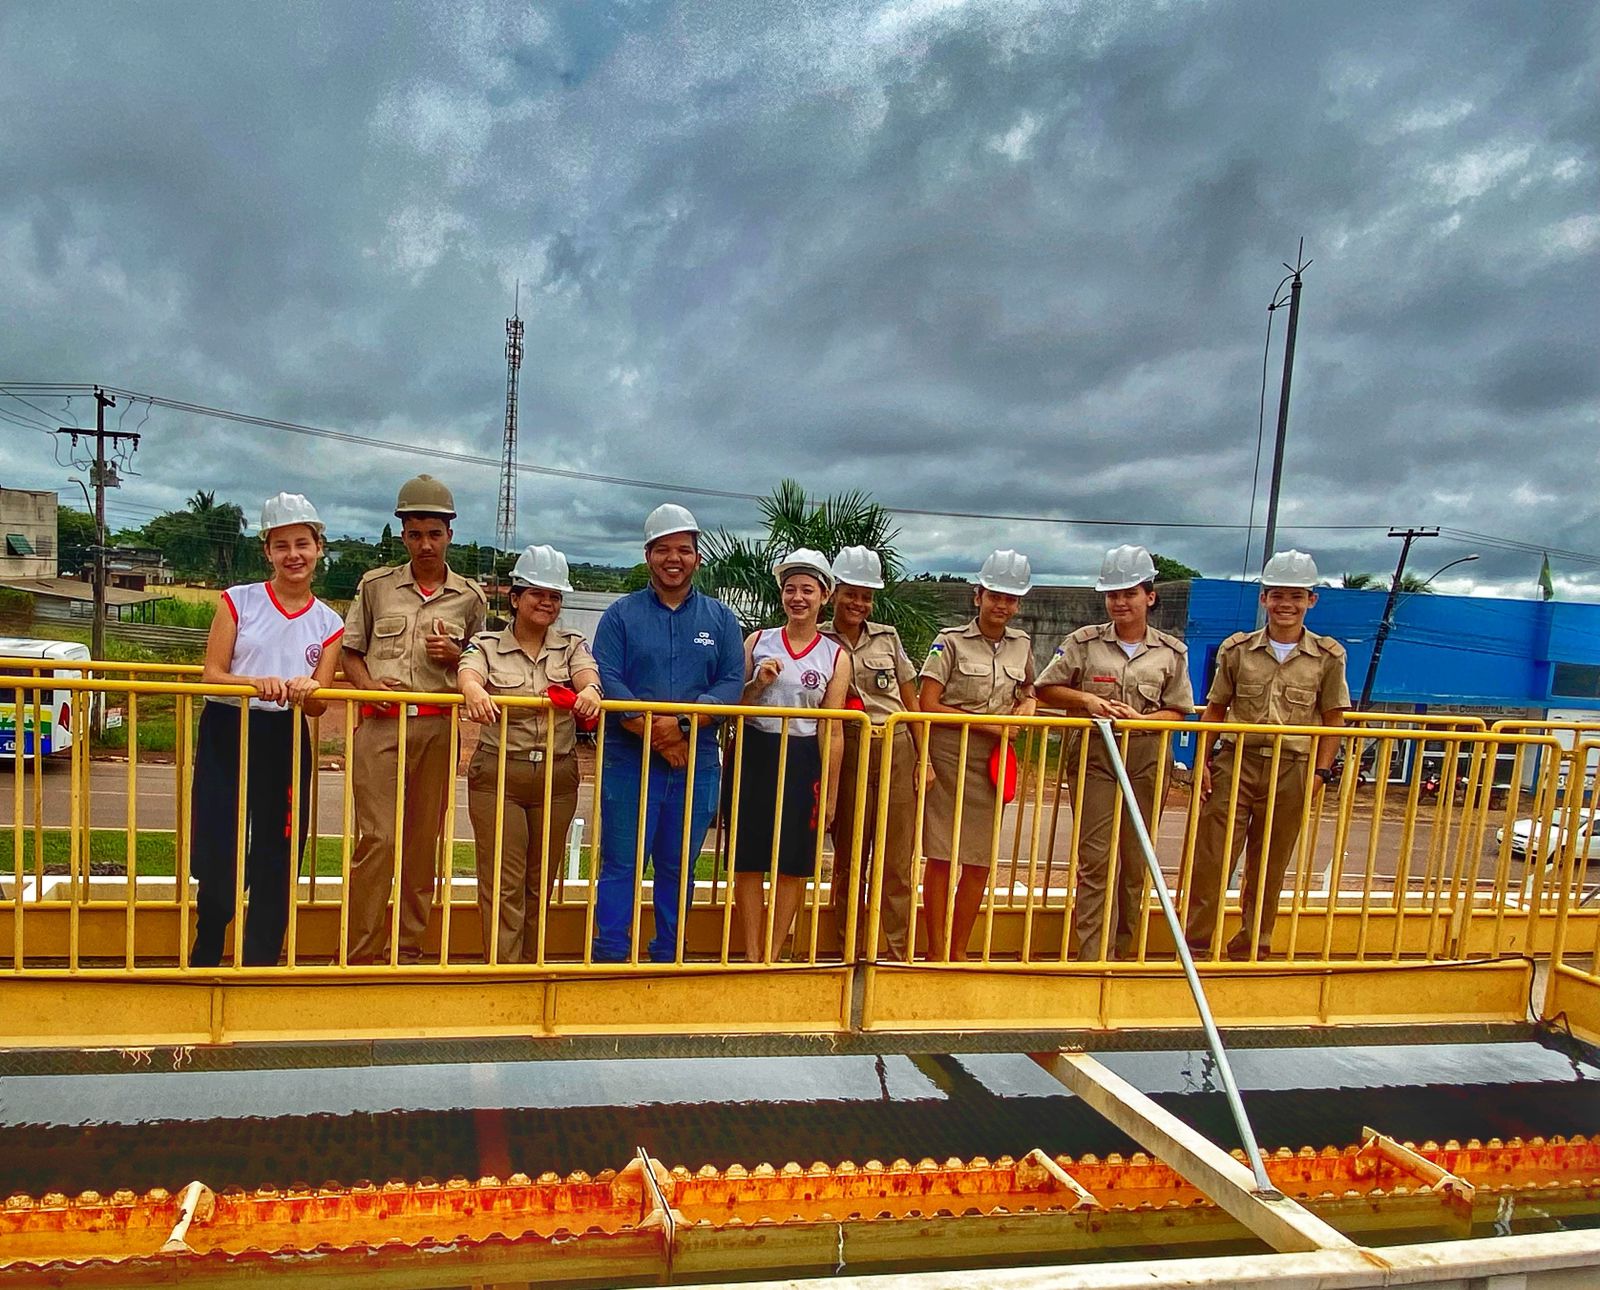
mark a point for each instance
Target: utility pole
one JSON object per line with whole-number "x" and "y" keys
{"x": 1269, "y": 542}
{"x": 104, "y": 476}
{"x": 1387, "y": 623}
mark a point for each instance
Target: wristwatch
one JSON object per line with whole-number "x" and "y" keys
{"x": 685, "y": 724}
{"x": 1325, "y": 774}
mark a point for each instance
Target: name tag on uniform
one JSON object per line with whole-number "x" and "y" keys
{"x": 1106, "y": 680}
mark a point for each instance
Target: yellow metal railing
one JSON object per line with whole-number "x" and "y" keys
{"x": 1442, "y": 883}
{"x": 1381, "y": 876}
{"x": 1385, "y": 872}
{"x": 68, "y": 887}
{"x": 1572, "y": 994}
{"x": 1383, "y": 879}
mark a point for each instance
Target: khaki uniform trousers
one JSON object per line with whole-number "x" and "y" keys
{"x": 894, "y": 902}
{"x": 429, "y": 775}
{"x": 525, "y": 873}
{"x": 1101, "y": 811}
{"x": 1249, "y": 828}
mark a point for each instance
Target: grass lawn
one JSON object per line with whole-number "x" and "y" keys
{"x": 156, "y": 854}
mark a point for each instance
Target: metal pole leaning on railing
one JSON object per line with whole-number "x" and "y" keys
{"x": 1213, "y": 1039}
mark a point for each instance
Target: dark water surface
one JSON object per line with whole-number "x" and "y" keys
{"x": 102, "y": 1132}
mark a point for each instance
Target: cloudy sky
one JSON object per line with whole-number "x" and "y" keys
{"x": 990, "y": 257}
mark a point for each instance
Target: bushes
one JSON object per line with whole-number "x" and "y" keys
{"x": 184, "y": 613}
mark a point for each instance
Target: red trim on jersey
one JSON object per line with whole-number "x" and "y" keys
{"x": 232, "y": 608}
{"x": 272, "y": 596}
{"x": 333, "y": 638}
{"x": 783, "y": 633}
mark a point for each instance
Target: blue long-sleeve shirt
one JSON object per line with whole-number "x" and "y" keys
{"x": 692, "y": 654}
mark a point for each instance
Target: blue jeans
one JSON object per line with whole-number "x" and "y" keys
{"x": 663, "y": 848}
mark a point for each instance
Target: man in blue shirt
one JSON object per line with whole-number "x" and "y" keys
{"x": 669, "y": 643}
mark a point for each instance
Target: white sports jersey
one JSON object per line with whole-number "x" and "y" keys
{"x": 274, "y": 642}
{"x": 800, "y": 684}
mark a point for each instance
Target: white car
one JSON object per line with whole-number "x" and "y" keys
{"x": 1551, "y": 836}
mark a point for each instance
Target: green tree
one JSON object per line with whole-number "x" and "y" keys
{"x": 1171, "y": 570}
{"x": 347, "y": 560}
{"x": 221, "y": 524}
{"x": 1358, "y": 581}
{"x": 75, "y": 535}
{"x": 739, "y": 570}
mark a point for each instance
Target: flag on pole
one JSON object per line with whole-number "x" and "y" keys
{"x": 1545, "y": 585}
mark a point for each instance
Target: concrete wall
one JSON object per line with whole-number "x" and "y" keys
{"x": 33, "y": 516}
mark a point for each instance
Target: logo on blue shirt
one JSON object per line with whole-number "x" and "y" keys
{"x": 705, "y": 638}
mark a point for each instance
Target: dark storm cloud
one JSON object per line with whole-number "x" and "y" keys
{"x": 1002, "y": 257}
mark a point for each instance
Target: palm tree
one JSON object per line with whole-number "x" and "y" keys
{"x": 1410, "y": 583}
{"x": 221, "y": 526}
{"x": 739, "y": 570}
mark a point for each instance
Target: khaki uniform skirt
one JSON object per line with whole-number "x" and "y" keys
{"x": 978, "y": 800}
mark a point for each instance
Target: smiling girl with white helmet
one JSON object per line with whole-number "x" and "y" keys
{"x": 1122, "y": 669}
{"x": 985, "y": 667}
{"x": 279, "y": 639}
{"x": 793, "y": 666}
{"x": 533, "y": 657}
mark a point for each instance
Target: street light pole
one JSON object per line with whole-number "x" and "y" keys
{"x": 1270, "y": 538}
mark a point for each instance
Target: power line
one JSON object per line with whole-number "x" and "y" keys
{"x": 23, "y": 418}
{"x": 475, "y": 459}
{"x": 693, "y": 490}
{"x": 22, "y": 423}
{"x": 1516, "y": 544}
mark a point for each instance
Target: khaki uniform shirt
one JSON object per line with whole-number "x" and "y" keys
{"x": 1254, "y": 687}
{"x": 1091, "y": 659}
{"x": 979, "y": 675}
{"x": 880, "y": 667}
{"x": 390, "y": 619}
{"x": 505, "y": 667}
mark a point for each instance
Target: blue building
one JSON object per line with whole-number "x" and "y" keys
{"x": 1457, "y": 654}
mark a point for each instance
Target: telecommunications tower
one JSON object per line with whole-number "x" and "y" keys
{"x": 505, "y": 529}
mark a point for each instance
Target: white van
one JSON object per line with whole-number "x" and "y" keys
{"x": 21, "y": 656}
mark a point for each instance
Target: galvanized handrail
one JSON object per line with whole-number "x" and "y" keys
{"x": 1241, "y": 1118}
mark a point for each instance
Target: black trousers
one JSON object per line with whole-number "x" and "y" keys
{"x": 214, "y": 829}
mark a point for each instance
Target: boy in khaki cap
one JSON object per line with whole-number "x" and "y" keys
{"x": 405, "y": 631}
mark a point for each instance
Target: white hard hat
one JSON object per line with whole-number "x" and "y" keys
{"x": 289, "y": 508}
{"x": 804, "y": 560}
{"x": 541, "y": 566}
{"x": 1290, "y": 569}
{"x": 669, "y": 517}
{"x": 858, "y": 566}
{"x": 1124, "y": 567}
{"x": 1007, "y": 572}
